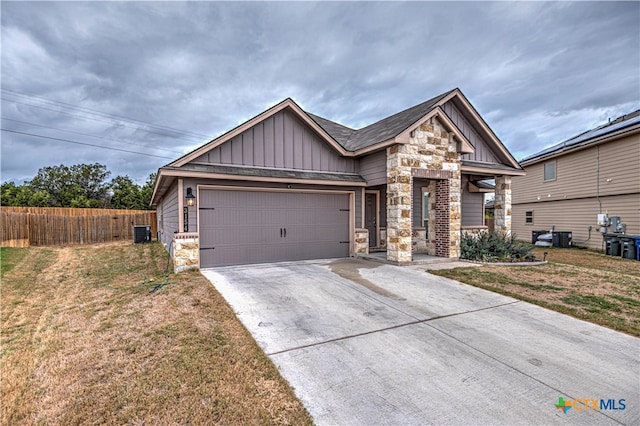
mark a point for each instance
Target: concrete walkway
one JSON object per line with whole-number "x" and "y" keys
{"x": 365, "y": 343}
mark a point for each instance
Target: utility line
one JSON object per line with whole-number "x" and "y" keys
{"x": 91, "y": 136}
{"x": 130, "y": 125}
{"x": 94, "y": 111}
{"x": 84, "y": 143}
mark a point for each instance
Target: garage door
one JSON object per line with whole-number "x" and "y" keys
{"x": 243, "y": 227}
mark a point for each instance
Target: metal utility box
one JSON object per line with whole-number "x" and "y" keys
{"x": 562, "y": 239}
{"x": 141, "y": 234}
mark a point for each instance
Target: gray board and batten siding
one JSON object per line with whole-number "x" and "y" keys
{"x": 167, "y": 215}
{"x": 373, "y": 168}
{"x": 243, "y": 227}
{"x": 281, "y": 141}
{"x": 482, "y": 152}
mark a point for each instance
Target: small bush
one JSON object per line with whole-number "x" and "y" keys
{"x": 494, "y": 246}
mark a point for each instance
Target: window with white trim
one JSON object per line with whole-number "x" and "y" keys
{"x": 550, "y": 170}
{"x": 528, "y": 217}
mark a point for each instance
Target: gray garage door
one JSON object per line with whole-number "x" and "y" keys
{"x": 243, "y": 227}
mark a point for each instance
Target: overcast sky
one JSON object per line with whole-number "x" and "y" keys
{"x": 163, "y": 78}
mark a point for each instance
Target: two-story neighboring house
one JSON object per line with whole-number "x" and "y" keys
{"x": 567, "y": 185}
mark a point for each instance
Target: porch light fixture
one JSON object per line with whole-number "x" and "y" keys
{"x": 191, "y": 199}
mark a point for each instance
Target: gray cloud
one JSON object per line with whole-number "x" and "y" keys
{"x": 538, "y": 72}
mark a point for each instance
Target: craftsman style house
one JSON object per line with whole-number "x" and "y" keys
{"x": 569, "y": 184}
{"x": 290, "y": 185}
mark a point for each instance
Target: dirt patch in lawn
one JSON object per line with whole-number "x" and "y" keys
{"x": 84, "y": 340}
{"x": 585, "y": 284}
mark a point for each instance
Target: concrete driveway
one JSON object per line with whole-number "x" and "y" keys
{"x": 364, "y": 343}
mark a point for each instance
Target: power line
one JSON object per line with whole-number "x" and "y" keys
{"x": 94, "y": 111}
{"x": 91, "y": 136}
{"x": 84, "y": 143}
{"x": 95, "y": 119}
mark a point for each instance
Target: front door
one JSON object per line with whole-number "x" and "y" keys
{"x": 371, "y": 217}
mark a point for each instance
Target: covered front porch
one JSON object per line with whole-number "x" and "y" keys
{"x": 438, "y": 215}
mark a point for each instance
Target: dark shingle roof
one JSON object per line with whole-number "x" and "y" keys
{"x": 337, "y": 131}
{"x": 380, "y": 131}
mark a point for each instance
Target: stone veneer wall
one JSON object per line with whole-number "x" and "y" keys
{"x": 361, "y": 241}
{"x": 429, "y": 149}
{"x": 419, "y": 240}
{"x": 186, "y": 251}
{"x": 502, "y": 204}
{"x": 382, "y": 241}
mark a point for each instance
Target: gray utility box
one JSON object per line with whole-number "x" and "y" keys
{"x": 141, "y": 234}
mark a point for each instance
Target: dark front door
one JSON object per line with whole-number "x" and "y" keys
{"x": 371, "y": 217}
{"x": 244, "y": 227}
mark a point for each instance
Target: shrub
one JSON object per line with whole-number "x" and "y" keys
{"x": 494, "y": 246}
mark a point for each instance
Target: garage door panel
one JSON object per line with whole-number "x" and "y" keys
{"x": 242, "y": 227}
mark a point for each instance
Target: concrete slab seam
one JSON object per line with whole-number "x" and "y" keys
{"x": 393, "y": 327}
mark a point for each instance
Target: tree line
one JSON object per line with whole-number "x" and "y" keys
{"x": 80, "y": 185}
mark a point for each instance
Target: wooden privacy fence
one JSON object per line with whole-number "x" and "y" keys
{"x": 62, "y": 226}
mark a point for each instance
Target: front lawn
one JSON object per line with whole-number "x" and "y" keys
{"x": 586, "y": 284}
{"x": 85, "y": 341}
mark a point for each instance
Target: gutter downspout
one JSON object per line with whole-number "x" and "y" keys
{"x": 598, "y": 190}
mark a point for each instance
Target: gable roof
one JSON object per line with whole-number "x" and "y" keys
{"x": 388, "y": 131}
{"x": 617, "y": 128}
{"x": 380, "y": 131}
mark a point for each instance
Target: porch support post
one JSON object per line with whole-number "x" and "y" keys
{"x": 399, "y": 189}
{"x": 502, "y": 203}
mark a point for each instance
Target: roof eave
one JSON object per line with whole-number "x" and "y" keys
{"x": 487, "y": 171}
{"x": 583, "y": 145}
{"x": 457, "y": 93}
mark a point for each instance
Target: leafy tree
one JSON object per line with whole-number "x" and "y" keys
{"x": 146, "y": 192}
{"x": 126, "y": 194}
{"x": 79, "y": 185}
{"x": 12, "y": 195}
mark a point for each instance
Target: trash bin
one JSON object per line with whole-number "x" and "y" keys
{"x": 562, "y": 239}
{"x": 612, "y": 244}
{"x": 536, "y": 234}
{"x": 628, "y": 247}
{"x": 637, "y": 240}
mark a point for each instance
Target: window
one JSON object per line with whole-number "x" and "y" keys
{"x": 425, "y": 212}
{"x": 550, "y": 170}
{"x": 528, "y": 217}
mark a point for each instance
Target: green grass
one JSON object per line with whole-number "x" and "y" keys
{"x": 9, "y": 257}
{"x": 585, "y": 284}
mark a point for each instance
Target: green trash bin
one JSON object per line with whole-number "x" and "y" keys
{"x": 612, "y": 244}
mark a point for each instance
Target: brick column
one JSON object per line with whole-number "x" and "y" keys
{"x": 502, "y": 203}
{"x": 443, "y": 219}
